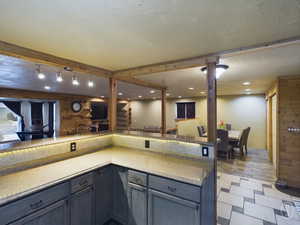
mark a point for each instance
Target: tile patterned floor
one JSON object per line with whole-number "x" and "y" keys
{"x": 249, "y": 201}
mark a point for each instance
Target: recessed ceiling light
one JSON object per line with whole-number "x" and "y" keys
{"x": 59, "y": 77}
{"x": 246, "y": 83}
{"x": 75, "y": 81}
{"x": 191, "y": 88}
{"x": 90, "y": 83}
{"x": 248, "y": 89}
{"x": 179, "y": 96}
{"x": 202, "y": 92}
{"x": 220, "y": 69}
{"x": 152, "y": 91}
{"x": 120, "y": 93}
{"x": 168, "y": 94}
{"x": 248, "y": 93}
{"x": 102, "y": 96}
{"x": 140, "y": 96}
{"x": 47, "y": 87}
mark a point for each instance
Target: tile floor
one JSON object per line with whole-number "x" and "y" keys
{"x": 249, "y": 201}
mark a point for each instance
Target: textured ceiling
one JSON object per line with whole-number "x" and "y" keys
{"x": 118, "y": 34}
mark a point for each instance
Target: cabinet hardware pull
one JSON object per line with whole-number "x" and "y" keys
{"x": 172, "y": 189}
{"x": 36, "y": 205}
{"x": 83, "y": 182}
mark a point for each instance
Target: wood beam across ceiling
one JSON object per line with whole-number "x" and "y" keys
{"x": 44, "y": 58}
{"x": 161, "y": 67}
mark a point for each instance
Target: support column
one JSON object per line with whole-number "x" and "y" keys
{"x": 112, "y": 104}
{"x": 211, "y": 102}
{"x": 163, "y": 112}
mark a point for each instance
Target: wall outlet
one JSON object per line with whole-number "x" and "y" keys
{"x": 147, "y": 144}
{"x": 73, "y": 147}
{"x": 205, "y": 151}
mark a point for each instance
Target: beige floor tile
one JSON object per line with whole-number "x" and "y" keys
{"x": 251, "y": 185}
{"x": 281, "y": 220}
{"x": 260, "y": 212}
{"x": 231, "y": 199}
{"x": 241, "y": 191}
{"x": 272, "y": 192}
{"x": 241, "y": 219}
{"x": 224, "y": 210}
{"x": 269, "y": 202}
{"x": 292, "y": 213}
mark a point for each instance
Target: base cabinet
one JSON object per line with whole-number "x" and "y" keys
{"x": 137, "y": 201}
{"x": 103, "y": 195}
{"x": 164, "y": 209}
{"x": 52, "y": 215}
{"x": 81, "y": 207}
{"x": 120, "y": 202}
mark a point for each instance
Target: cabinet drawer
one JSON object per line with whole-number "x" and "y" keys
{"x": 137, "y": 177}
{"x": 32, "y": 203}
{"x": 81, "y": 182}
{"x": 175, "y": 188}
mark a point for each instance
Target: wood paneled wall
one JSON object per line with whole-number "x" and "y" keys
{"x": 289, "y": 143}
{"x": 70, "y": 121}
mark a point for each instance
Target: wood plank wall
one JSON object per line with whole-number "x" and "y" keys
{"x": 70, "y": 121}
{"x": 289, "y": 143}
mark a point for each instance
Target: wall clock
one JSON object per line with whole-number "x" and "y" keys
{"x": 76, "y": 106}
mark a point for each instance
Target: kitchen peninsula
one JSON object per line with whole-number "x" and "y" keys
{"x": 127, "y": 178}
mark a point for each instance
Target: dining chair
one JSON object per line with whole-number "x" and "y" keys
{"x": 223, "y": 145}
{"x": 240, "y": 143}
{"x": 246, "y": 139}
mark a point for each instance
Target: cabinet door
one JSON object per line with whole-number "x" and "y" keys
{"x": 81, "y": 207}
{"x": 164, "y": 209}
{"x": 120, "y": 203}
{"x": 137, "y": 201}
{"x": 52, "y": 215}
{"x": 103, "y": 195}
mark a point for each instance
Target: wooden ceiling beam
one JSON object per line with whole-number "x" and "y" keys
{"x": 161, "y": 67}
{"x": 142, "y": 83}
{"x": 44, "y": 58}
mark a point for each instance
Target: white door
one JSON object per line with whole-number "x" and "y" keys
{"x": 274, "y": 130}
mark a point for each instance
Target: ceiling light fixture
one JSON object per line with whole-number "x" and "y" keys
{"x": 246, "y": 83}
{"x": 220, "y": 69}
{"x": 202, "y": 92}
{"x": 248, "y": 93}
{"x": 120, "y": 93}
{"x": 179, "y": 96}
{"x": 248, "y": 89}
{"x": 39, "y": 73}
{"x": 59, "y": 77}
{"x": 191, "y": 88}
{"x": 168, "y": 94}
{"x": 140, "y": 96}
{"x": 102, "y": 96}
{"x": 90, "y": 83}
{"x": 75, "y": 81}
{"x": 152, "y": 91}
{"x": 47, "y": 87}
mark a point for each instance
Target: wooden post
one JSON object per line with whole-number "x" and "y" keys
{"x": 112, "y": 104}
{"x": 163, "y": 112}
{"x": 211, "y": 102}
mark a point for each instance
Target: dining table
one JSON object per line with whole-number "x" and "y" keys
{"x": 234, "y": 135}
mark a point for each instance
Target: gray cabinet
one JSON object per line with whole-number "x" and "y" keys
{"x": 103, "y": 194}
{"x": 137, "y": 201}
{"x": 120, "y": 202}
{"x": 52, "y": 215}
{"x": 164, "y": 209}
{"x": 81, "y": 207}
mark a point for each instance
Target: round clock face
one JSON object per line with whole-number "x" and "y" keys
{"x": 76, "y": 106}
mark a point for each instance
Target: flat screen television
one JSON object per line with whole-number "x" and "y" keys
{"x": 99, "y": 110}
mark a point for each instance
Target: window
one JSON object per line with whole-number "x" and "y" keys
{"x": 185, "y": 110}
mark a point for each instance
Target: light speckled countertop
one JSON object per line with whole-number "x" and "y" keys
{"x": 18, "y": 184}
